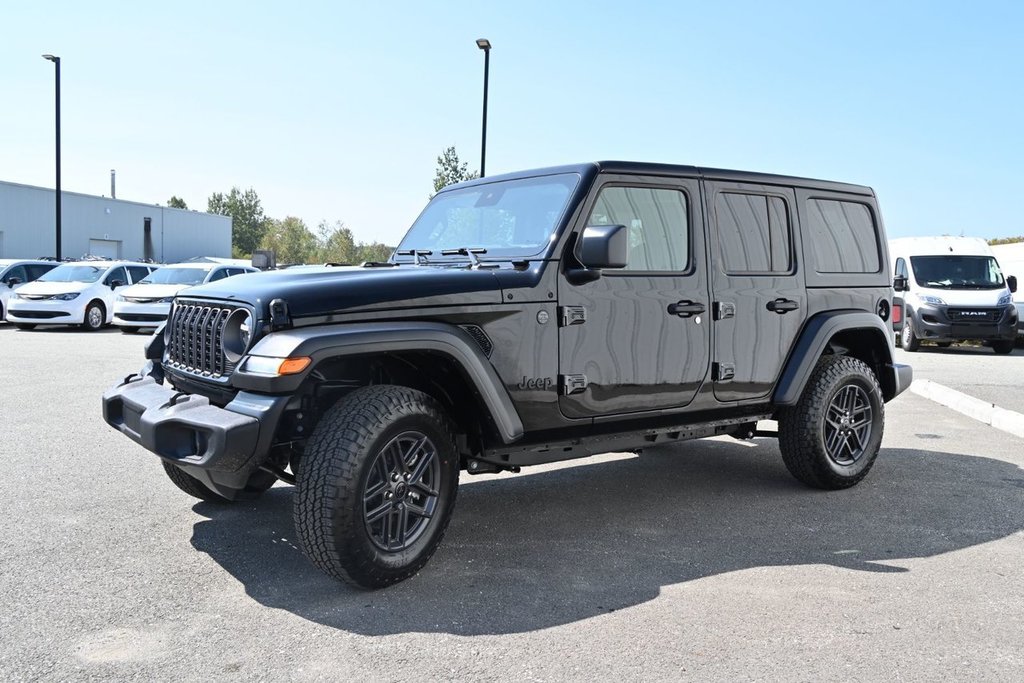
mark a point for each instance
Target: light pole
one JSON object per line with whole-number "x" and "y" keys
{"x": 484, "y": 45}
{"x": 56, "y": 66}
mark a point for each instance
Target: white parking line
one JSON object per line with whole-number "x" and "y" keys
{"x": 1002, "y": 419}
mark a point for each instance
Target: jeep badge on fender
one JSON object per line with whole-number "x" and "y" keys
{"x": 684, "y": 302}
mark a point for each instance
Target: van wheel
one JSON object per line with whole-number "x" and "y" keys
{"x": 1003, "y": 346}
{"x": 908, "y": 340}
{"x": 95, "y": 316}
{"x": 377, "y": 486}
{"x": 830, "y": 438}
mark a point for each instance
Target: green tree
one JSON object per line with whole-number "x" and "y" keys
{"x": 248, "y": 222}
{"x": 375, "y": 252}
{"x": 291, "y": 241}
{"x": 176, "y": 202}
{"x": 450, "y": 170}
{"x": 337, "y": 244}
{"x": 1006, "y": 240}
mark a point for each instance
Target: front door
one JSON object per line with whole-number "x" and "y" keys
{"x": 638, "y": 338}
{"x": 760, "y": 302}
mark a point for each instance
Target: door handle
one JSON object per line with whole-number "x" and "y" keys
{"x": 781, "y": 306}
{"x": 685, "y": 309}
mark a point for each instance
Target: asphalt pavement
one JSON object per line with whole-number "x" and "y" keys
{"x": 973, "y": 370}
{"x": 704, "y": 560}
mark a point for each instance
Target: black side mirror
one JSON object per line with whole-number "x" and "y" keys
{"x": 114, "y": 284}
{"x": 1011, "y": 282}
{"x": 899, "y": 283}
{"x": 17, "y": 281}
{"x": 604, "y": 246}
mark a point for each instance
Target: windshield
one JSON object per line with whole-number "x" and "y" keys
{"x": 73, "y": 273}
{"x": 957, "y": 272}
{"x": 176, "y": 276}
{"x": 509, "y": 218}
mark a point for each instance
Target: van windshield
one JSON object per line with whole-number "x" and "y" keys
{"x": 73, "y": 273}
{"x": 957, "y": 272}
{"x": 176, "y": 276}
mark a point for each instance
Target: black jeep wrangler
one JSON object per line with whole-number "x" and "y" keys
{"x": 525, "y": 319}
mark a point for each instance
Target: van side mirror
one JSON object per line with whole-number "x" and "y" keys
{"x": 1011, "y": 282}
{"x": 14, "y": 281}
{"x": 900, "y": 284}
{"x": 604, "y": 246}
{"x": 114, "y": 284}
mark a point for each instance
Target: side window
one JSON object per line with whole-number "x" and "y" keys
{"x": 218, "y": 274}
{"x": 18, "y": 272}
{"x": 657, "y": 221}
{"x": 116, "y": 274}
{"x": 843, "y": 236}
{"x": 138, "y": 272}
{"x": 36, "y": 271}
{"x": 754, "y": 233}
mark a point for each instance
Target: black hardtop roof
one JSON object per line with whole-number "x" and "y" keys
{"x": 656, "y": 169}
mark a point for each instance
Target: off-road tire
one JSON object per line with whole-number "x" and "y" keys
{"x": 258, "y": 483}
{"x": 1004, "y": 346}
{"x": 802, "y": 428}
{"x": 25, "y": 326}
{"x": 89, "y": 321}
{"x": 340, "y": 461}
{"x": 909, "y": 340}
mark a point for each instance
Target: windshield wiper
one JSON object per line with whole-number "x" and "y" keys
{"x": 418, "y": 254}
{"x": 471, "y": 252}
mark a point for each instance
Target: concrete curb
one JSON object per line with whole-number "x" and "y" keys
{"x": 1002, "y": 419}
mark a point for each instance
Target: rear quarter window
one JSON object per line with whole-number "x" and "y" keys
{"x": 843, "y": 236}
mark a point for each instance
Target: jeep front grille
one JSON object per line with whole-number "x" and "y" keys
{"x": 194, "y": 344}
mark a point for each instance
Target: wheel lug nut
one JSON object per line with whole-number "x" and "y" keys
{"x": 408, "y": 477}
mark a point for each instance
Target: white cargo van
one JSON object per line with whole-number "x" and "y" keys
{"x": 1011, "y": 262}
{"x": 952, "y": 290}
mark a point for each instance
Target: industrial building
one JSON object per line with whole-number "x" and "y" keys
{"x": 102, "y": 226}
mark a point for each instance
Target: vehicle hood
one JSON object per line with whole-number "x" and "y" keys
{"x": 150, "y": 293}
{"x": 51, "y": 288}
{"x": 964, "y": 297}
{"x": 325, "y": 290}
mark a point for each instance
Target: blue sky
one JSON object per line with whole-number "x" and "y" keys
{"x": 338, "y": 110}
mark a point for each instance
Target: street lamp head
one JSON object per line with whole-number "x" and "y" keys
{"x": 51, "y": 58}
{"x": 483, "y": 43}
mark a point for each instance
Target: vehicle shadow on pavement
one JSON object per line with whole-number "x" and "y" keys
{"x": 529, "y": 552}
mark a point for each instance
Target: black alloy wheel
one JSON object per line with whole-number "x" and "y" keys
{"x": 848, "y": 425}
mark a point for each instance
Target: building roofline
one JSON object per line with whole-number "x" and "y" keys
{"x": 111, "y": 199}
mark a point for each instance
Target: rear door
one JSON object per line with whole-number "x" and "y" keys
{"x": 638, "y": 338}
{"x": 760, "y": 302}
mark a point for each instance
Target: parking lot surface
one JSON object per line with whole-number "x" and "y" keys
{"x": 973, "y": 370}
{"x": 702, "y": 560}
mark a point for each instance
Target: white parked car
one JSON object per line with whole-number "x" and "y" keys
{"x": 147, "y": 303}
{"x": 15, "y": 273}
{"x": 75, "y": 293}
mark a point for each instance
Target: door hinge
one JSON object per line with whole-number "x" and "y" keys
{"x": 571, "y": 315}
{"x": 573, "y": 384}
{"x": 722, "y": 372}
{"x": 724, "y": 310}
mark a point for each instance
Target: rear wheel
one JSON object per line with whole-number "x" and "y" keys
{"x": 95, "y": 316}
{"x": 831, "y": 437}
{"x": 1003, "y": 346}
{"x": 377, "y": 486}
{"x": 908, "y": 340}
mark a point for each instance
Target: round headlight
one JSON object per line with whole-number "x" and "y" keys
{"x": 237, "y": 335}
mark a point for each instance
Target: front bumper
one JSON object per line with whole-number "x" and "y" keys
{"x": 131, "y": 314}
{"x": 47, "y": 311}
{"x": 940, "y": 323}
{"x": 221, "y": 447}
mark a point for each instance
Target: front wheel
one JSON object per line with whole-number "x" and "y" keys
{"x": 377, "y": 486}
{"x": 95, "y": 316}
{"x": 1004, "y": 346}
{"x": 831, "y": 437}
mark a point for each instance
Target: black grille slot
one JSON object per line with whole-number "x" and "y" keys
{"x": 196, "y": 332}
{"x": 480, "y": 337}
{"x": 975, "y": 315}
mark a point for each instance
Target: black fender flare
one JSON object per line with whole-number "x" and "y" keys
{"x": 324, "y": 342}
{"x": 814, "y": 339}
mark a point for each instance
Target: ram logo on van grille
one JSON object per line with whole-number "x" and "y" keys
{"x": 990, "y": 315}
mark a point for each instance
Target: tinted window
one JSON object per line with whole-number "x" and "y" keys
{"x": 138, "y": 272}
{"x": 754, "y": 232}
{"x": 37, "y": 270}
{"x": 659, "y": 235}
{"x": 843, "y": 237}
{"x": 18, "y": 272}
{"x": 117, "y": 274}
{"x": 218, "y": 274}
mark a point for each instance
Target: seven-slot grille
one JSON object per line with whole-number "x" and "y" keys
{"x": 975, "y": 315}
{"x": 196, "y": 332}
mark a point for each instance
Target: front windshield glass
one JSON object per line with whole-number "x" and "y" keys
{"x": 509, "y": 218}
{"x": 73, "y": 273}
{"x": 176, "y": 276}
{"x": 957, "y": 272}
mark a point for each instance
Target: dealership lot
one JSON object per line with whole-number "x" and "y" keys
{"x": 701, "y": 560}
